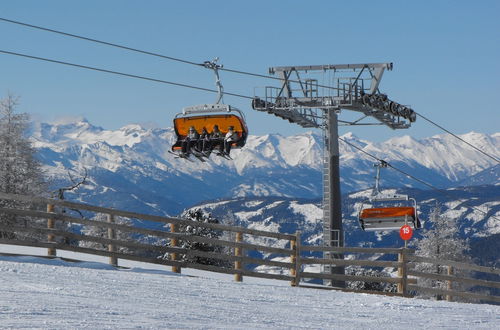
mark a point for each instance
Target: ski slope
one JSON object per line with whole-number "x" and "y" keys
{"x": 56, "y": 294}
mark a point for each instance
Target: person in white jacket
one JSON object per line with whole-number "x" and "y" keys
{"x": 229, "y": 139}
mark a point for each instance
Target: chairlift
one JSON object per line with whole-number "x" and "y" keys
{"x": 387, "y": 211}
{"x": 207, "y": 116}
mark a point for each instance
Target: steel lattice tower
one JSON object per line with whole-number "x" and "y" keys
{"x": 303, "y": 101}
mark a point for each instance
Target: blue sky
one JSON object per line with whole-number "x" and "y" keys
{"x": 445, "y": 54}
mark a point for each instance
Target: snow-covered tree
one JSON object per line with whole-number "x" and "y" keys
{"x": 102, "y": 232}
{"x": 20, "y": 172}
{"x": 369, "y": 286}
{"x": 441, "y": 242}
{"x": 197, "y": 215}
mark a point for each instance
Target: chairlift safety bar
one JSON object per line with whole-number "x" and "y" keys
{"x": 202, "y": 108}
{"x": 389, "y": 198}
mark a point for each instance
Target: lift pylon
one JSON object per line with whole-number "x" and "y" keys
{"x": 302, "y": 100}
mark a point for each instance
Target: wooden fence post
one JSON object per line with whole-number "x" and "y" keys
{"x": 51, "y": 252}
{"x": 174, "y": 243}
{"x": 238, "y": 253}
{"x": 402, "y": 273}
{"x": 112, "y": 235}
{"x": 449, "y": 284}
{"x": 295, "y": 260}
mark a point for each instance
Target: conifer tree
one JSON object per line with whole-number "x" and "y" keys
{"x": 441, "y": 242}
{"x": 101, "y": 232}
{"x": 197, "y": 215}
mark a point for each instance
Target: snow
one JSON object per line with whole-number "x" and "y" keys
{"x": 246, "y": 215}
{"x": 455, "y": 214}
{"x": 454, "y": 204}
{"x": 311, "y": 212}
{"x": 253, "y": 203}
{"x": 362, "y": 194}
{"x": 214, "y": 205}
{"x": 273, "y": 205}
{"x": 265, "y": 225}
{"x": 492, "y": 225}
{"x": 56, "y": 294}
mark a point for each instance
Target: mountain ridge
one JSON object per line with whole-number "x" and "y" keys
{"x": 138, "y": 158}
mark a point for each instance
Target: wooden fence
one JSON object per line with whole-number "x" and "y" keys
{"x": 240, "y": 250}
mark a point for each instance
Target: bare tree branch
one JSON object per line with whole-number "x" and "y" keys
{"x": 60, "y": 191}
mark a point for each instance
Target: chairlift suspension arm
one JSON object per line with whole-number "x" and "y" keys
{"x": 376, "y": 191}
{"x": 214, "y": 66}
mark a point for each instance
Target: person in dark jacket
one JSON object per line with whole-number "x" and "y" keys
{"x": 190, "y": 140}
{"x": 216, "y": 139}
{"x": 204, "y": 141}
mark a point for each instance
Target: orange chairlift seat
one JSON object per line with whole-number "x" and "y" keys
{"x": 388, "y": 212}
{"x": 206, "y": 116}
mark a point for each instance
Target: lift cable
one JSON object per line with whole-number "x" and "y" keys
{"x": 212, "y": 91}
{"x": 441, "y": 191}
{"x": 145, "y": 52}
{"x": 458, "y": 137}
{"x": 122, "y": 74}
{"x": 99, "y": 41}
{"x": 222, "y": 69}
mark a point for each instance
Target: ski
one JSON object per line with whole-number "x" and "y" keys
{"x": 224, "y": 155}
{"x": 181, "y": 155}
{"x": 199, "y": 156}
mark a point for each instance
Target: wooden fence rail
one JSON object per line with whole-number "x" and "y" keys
{"x": 452, "y": 293}
{"x": 134, "y": 215}
{"x": 442, "y": 277}
{"x": 456, "y": 264}
{"x": 236, "y": 255}
{"x": 351, "y": 249}
{"x": 160, "y": 234}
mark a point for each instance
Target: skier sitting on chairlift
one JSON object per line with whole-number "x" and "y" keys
{"x": 229, "y": 139}
{"x": 204, "y": 142}
{"x": 216, "y": 139}
{"x": 190, "y": 140}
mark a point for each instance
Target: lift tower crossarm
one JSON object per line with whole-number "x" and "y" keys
{"x": 356, "y": 90}
{"x": 377, "y": 70}
{"x": 325, "y": 67}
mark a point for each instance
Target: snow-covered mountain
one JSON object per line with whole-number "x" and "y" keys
{"x": 131, "y": 167}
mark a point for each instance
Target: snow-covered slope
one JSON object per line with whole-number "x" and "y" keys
{"x": 53, "y": 294}
{"x": 132, "y": 167}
